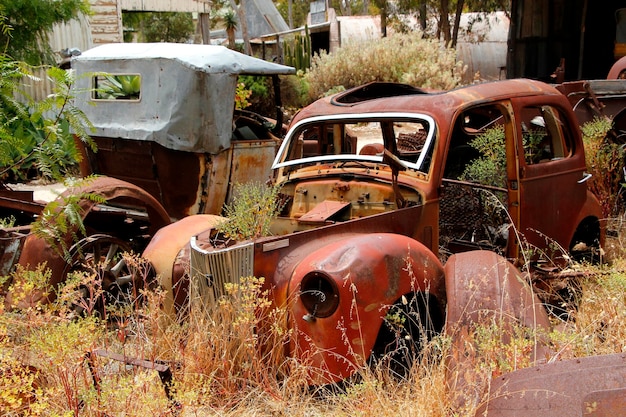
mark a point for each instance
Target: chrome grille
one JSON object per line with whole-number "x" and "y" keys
{"x": 211, "y": 270}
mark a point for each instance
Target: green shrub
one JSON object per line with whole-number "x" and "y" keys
{"x": 406, "y": 58}
{"x": 490, "y": 167}
{"x": 251, "y": 211}
{"x": 605, "y": 161}
{"x": 294, "y": 91}
{"x": 36, "y": 137}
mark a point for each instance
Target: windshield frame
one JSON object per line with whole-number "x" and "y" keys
{"x": 347, "y": 118}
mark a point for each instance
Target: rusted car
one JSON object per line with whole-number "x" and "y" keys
{"x": 169, "y": 143}
{"x": 383, "y": 217}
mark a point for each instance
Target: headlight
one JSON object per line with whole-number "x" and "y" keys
{"x": 319, "y": 294}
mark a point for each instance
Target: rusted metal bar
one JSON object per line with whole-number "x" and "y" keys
{"x": 11, "y": 242}
{"x": 164, "y": 371}
{"x": 18, "y": 204}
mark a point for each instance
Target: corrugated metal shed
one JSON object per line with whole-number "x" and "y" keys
{"x": 484, "y": 49}
{"x": 263, "y": 18}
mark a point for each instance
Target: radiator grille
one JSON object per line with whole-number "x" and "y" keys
{"x": 211, "y": 270}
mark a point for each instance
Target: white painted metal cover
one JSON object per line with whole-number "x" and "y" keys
{"x": 187, "y": 92}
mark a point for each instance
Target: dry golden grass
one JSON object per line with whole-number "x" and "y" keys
{"x": 221, "y": 365}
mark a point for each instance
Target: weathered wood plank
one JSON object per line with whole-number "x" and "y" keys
{"x": 201, "y": 6}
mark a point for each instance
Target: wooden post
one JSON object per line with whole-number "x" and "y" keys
{"x": 205, "y": 28}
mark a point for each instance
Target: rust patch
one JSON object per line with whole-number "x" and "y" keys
{"x": 592, "y": 386}
{"x": 172, "y": 177}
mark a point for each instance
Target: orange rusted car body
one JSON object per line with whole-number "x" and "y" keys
{"x": 375, "y": 205}
{"x": 129, "y": 214}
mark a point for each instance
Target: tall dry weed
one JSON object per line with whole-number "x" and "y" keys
{"x": 600, "y": 321}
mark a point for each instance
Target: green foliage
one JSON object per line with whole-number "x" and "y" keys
{"x": 23, "y": 283}
{"x": 230, "y": 21}
{"x": 294, "y": 91}
{"x": 260, "y": 95}
{"x": 7, "y": 222}
{"x": 158, "y": 27}
{"x": 120, "y": 86}
{"x": 32, "y": 22}
{"x": 35, "y": 136}
{"x": 251, "y": 211}
{"x": 497, "y": 357}
{"x": 241, "y": 96}
{"x": 606, "y": 162}
{"x": 490, "y": 167}
{"x": 61, "y": 222}
{"x": 43, "y": 345}
{"x": 406, "y": 58}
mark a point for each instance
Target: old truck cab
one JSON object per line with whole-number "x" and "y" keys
{"x": 165, "y": 120}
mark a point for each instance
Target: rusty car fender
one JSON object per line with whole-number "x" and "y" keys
{"x": 168, "y": 253}
{"x": 618, "y": 70}
{"x": 484, "y": 288}
{"x": 368, "y": 273}
{"x": 38, "y": 251}
{"x": 590, "y": 386}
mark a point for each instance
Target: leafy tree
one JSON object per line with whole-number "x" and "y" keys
{"x": 293, "y": 11}
{"x": 158, "y": 27}
{"x": 35, "y": 137}
{"x": 31, "y": 22}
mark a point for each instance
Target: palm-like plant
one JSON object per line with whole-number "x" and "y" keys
{"x": 126, "y": 87}
{"x": 230, "y": 21}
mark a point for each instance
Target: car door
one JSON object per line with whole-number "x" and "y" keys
{"x": 552, "y": 188}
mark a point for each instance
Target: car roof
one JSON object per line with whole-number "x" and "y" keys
{"x": 400, "y": 98}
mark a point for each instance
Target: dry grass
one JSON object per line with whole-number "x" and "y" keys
{"x": 222, "y": 365}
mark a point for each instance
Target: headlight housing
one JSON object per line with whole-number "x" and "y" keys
{"x": 319, "y": 294}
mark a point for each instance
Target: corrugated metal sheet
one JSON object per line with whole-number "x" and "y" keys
{"x": 73, "y": 34}
{"x": 358, "y": 28}
{"x": 484, "y": 49}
